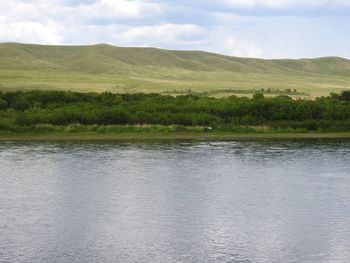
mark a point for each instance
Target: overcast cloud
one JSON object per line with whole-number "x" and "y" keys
{"x": 248, "y": 28}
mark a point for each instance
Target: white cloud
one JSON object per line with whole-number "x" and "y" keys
{"x": 31, "y": 32}
{"x": 285, "y": 4}
{"x": 13, "y": 11}
{"x": 239, "y": 49}
{"x": 164, "y": 34}
{"x": 17, "y": 10}
{"x": 118, "y": 9}
{"x": 50, "y": 22}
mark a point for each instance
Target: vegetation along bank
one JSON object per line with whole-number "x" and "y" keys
{"x": 104, "y": 113}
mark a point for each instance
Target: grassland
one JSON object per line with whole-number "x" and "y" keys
{"x": 130, "y": 70}
{"x": 162, "y": 136}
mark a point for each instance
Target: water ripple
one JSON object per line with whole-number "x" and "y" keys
{"x": 282, "y": 201}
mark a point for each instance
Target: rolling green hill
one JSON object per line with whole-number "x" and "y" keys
{"x": 118, "y": 69}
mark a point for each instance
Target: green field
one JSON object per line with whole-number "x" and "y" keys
{"x": 130, "y": 70}
{"x": 156, "y": 135}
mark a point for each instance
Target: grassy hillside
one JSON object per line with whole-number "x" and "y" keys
{"x": 117, "y": 69}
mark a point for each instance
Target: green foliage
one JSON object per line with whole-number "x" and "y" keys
{"x": 45, "y": 110}
{"x": 258, "y": 96}
{"x": 3, "y": 104}
{"x": 345, "y": 95}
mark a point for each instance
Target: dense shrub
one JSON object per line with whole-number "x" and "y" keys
{"x": 67, "y": 108}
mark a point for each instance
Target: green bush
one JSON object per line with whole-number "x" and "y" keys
{"x": 109, "y": 112}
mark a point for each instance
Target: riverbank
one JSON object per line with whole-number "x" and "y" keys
{"x": 149, "y": 136}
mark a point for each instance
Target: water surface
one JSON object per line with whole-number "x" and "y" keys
{"x": 175, "y": 202}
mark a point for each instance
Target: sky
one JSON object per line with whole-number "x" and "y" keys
{"x": 244, "y": 28}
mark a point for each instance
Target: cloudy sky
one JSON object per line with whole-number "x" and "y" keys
{"x": 247, "y": 28}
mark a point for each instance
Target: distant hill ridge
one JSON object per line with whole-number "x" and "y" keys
{"x": 103, "y": 58}
{"x": 169, "y": 67}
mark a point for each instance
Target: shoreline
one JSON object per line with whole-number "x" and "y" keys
{"x": 154, "y": 136}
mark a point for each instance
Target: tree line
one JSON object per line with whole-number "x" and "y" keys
{"x": 64, "y": 108}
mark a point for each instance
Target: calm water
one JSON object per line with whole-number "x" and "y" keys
{"x": 175, "y": 202}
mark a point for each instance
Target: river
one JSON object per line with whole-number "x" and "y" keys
{"x": 235, "y": 201}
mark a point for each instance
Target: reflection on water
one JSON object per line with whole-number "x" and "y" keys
{"x": 176, "y": 202}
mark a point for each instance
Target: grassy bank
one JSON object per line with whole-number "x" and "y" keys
{"x": 156, "y": 135}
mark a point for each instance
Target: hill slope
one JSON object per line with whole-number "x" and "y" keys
{"x": 107, "y": 68}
